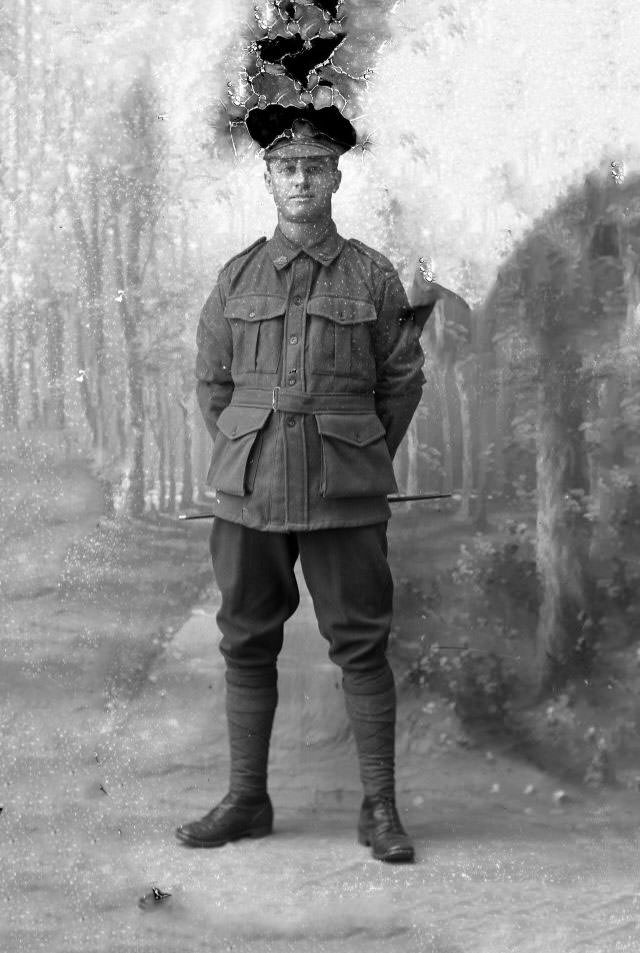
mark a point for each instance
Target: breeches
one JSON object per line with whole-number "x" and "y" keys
{"x": 348, "y": 577}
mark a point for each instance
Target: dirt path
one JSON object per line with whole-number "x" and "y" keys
{"x": 93, "y": 795}
{"x": 112, "y": 733}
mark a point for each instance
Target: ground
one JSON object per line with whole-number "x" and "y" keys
{"x": 113, "y": 733}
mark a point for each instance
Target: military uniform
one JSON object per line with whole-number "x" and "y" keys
{"x": 309, "y": 369}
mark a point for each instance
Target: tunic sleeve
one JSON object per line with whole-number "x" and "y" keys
{"x": 213, "y": 362}
{"x": 399, "y": 361}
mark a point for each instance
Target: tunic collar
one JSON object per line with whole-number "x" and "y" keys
{"x": 282, "y": 251}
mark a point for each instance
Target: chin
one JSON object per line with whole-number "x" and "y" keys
{"x": 303, "y": 215}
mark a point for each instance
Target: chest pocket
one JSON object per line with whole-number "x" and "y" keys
{"x": 339, "y": 336}
{"x": 257, "y": 326}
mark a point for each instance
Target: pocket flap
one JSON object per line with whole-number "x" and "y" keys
{"x": 342, "y": 310}
{"x": 357, "y": 429}
{"x": 254, "y": 307}
{"x": 236, "y": 422}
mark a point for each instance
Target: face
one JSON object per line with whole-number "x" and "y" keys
{"x": 302, "y": 188}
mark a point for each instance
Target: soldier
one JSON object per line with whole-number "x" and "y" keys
{"x": 309, "y": 371}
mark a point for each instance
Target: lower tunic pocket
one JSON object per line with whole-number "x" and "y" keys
{"x": 355, "y": 457}
{"x": 236, "y": 449}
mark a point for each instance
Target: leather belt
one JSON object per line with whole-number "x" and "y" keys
{"x": 301, "y": 402}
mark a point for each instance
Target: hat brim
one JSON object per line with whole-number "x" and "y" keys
{"x": 303, "y": 149}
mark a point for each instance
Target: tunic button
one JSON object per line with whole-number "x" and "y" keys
{"x": 291, "y": 381}
{"x": 293, "y": 339}
{"x": 297, "y": 299}
{"x": 252, "y": 314}
{"x": 291, "y": 421}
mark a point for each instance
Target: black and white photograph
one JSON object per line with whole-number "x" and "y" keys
{"x": 319, "y": 476}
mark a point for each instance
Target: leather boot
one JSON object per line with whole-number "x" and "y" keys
{"x": 379, "y": 827}
{"x": 234, "y": 817}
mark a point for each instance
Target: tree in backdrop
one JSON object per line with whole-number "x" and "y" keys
{"x": 566, "y": 297}
{"x": 448, "y": 343}
{"x": 135, "y": 198}
{"x": 91, "y": 291}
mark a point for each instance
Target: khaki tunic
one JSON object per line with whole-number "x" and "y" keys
{"x": 309, "y": 369}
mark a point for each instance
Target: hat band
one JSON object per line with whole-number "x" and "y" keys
{"x": 302, "y": 147}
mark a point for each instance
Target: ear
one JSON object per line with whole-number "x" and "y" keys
{"x": 337, "y": 179}
{"x": 267, "y": 180}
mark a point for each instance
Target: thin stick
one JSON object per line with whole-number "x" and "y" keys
{"x": 391, "y": 499}
{"x": 420, "y": 496}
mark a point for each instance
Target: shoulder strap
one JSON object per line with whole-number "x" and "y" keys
{"x": 377, "y": 257}
{"x": 245, "y": 251}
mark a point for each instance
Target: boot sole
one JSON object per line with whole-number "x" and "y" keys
{"x": 403, "y": 855}
{"x": 254, "y": 832}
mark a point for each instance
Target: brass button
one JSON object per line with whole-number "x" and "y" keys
{"x": 291, "y": 421}
{"x": 252, "y": 314}
{"x": 293, "y": 339}
{"x": 297, "y": 299}
{"x": 291, "y": 381}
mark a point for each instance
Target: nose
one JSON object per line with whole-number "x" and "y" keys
{"x": 301, "y": 177}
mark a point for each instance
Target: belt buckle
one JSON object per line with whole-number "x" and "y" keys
{"x": 274, "y": 397}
